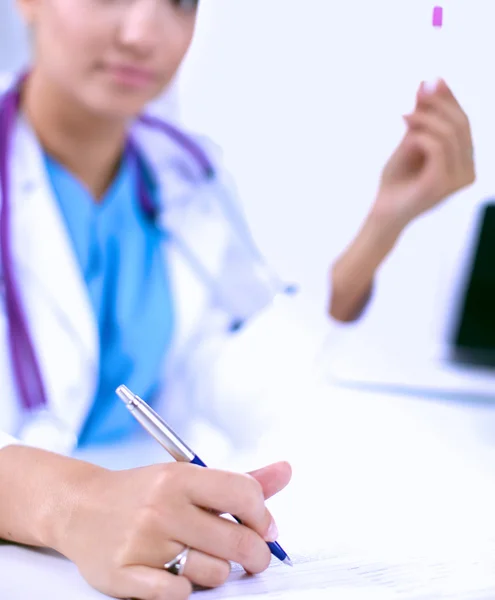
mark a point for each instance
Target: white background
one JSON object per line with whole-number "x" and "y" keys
{"x": 306, "y": 98}
{"x": 13, "y": 39}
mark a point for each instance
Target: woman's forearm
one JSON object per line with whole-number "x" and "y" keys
{"x": 353, "y": 273}
{"x": 37, "y": 495}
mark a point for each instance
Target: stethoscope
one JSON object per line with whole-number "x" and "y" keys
{"x": 25, "y": 364}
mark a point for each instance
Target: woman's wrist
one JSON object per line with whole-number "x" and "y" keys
{"x": 379, "y": 234}
{"x": 41, "y": 493}
{"x": 376, "y": 238}
{"x": 354, "y": 272}
{"x": 385, "y": 223}
{"x": 66, "y": 501}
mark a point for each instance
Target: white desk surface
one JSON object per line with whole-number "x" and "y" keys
{"x": 385, "y": 474}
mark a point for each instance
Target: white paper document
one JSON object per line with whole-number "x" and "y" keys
{"x": 470, "y": 576}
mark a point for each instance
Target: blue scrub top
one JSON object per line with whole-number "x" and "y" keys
{"x": 121, "y": 255}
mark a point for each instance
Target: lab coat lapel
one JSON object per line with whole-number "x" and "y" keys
{"x": 52, "y": 288}
{"x": 194, "y": 229}
{"x": 196, "y": 248}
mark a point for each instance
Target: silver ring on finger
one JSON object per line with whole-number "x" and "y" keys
{"x": 177, "y": 565}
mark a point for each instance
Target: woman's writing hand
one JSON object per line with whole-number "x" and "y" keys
{"x": 434, "y": 159}
{"x": 126, "y": 525}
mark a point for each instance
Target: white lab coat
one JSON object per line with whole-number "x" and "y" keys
{"x": 56, "y": 303}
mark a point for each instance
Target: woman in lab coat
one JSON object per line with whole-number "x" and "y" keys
{"x": 123, "y": 251}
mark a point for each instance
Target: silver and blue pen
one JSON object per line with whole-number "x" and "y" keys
{"x": 169, "y": 440}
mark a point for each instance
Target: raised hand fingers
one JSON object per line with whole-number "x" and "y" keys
{"x": 443, "y": 103}
{"x": 438, "y": 114}
{"x": 431, "y": 124}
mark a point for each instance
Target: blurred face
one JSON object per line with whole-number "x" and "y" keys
{"x": 112, "y": 56}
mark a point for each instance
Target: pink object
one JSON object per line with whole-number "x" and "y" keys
{"x": 437, "y": 16}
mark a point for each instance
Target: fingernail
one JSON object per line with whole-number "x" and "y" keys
{"x": 272, "y": 535}
{"x": 430, "y": 87}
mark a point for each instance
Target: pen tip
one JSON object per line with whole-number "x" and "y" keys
{"x": 288, "y": 561}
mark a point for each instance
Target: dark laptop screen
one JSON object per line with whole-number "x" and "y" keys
{"x": 474, "y": 334}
